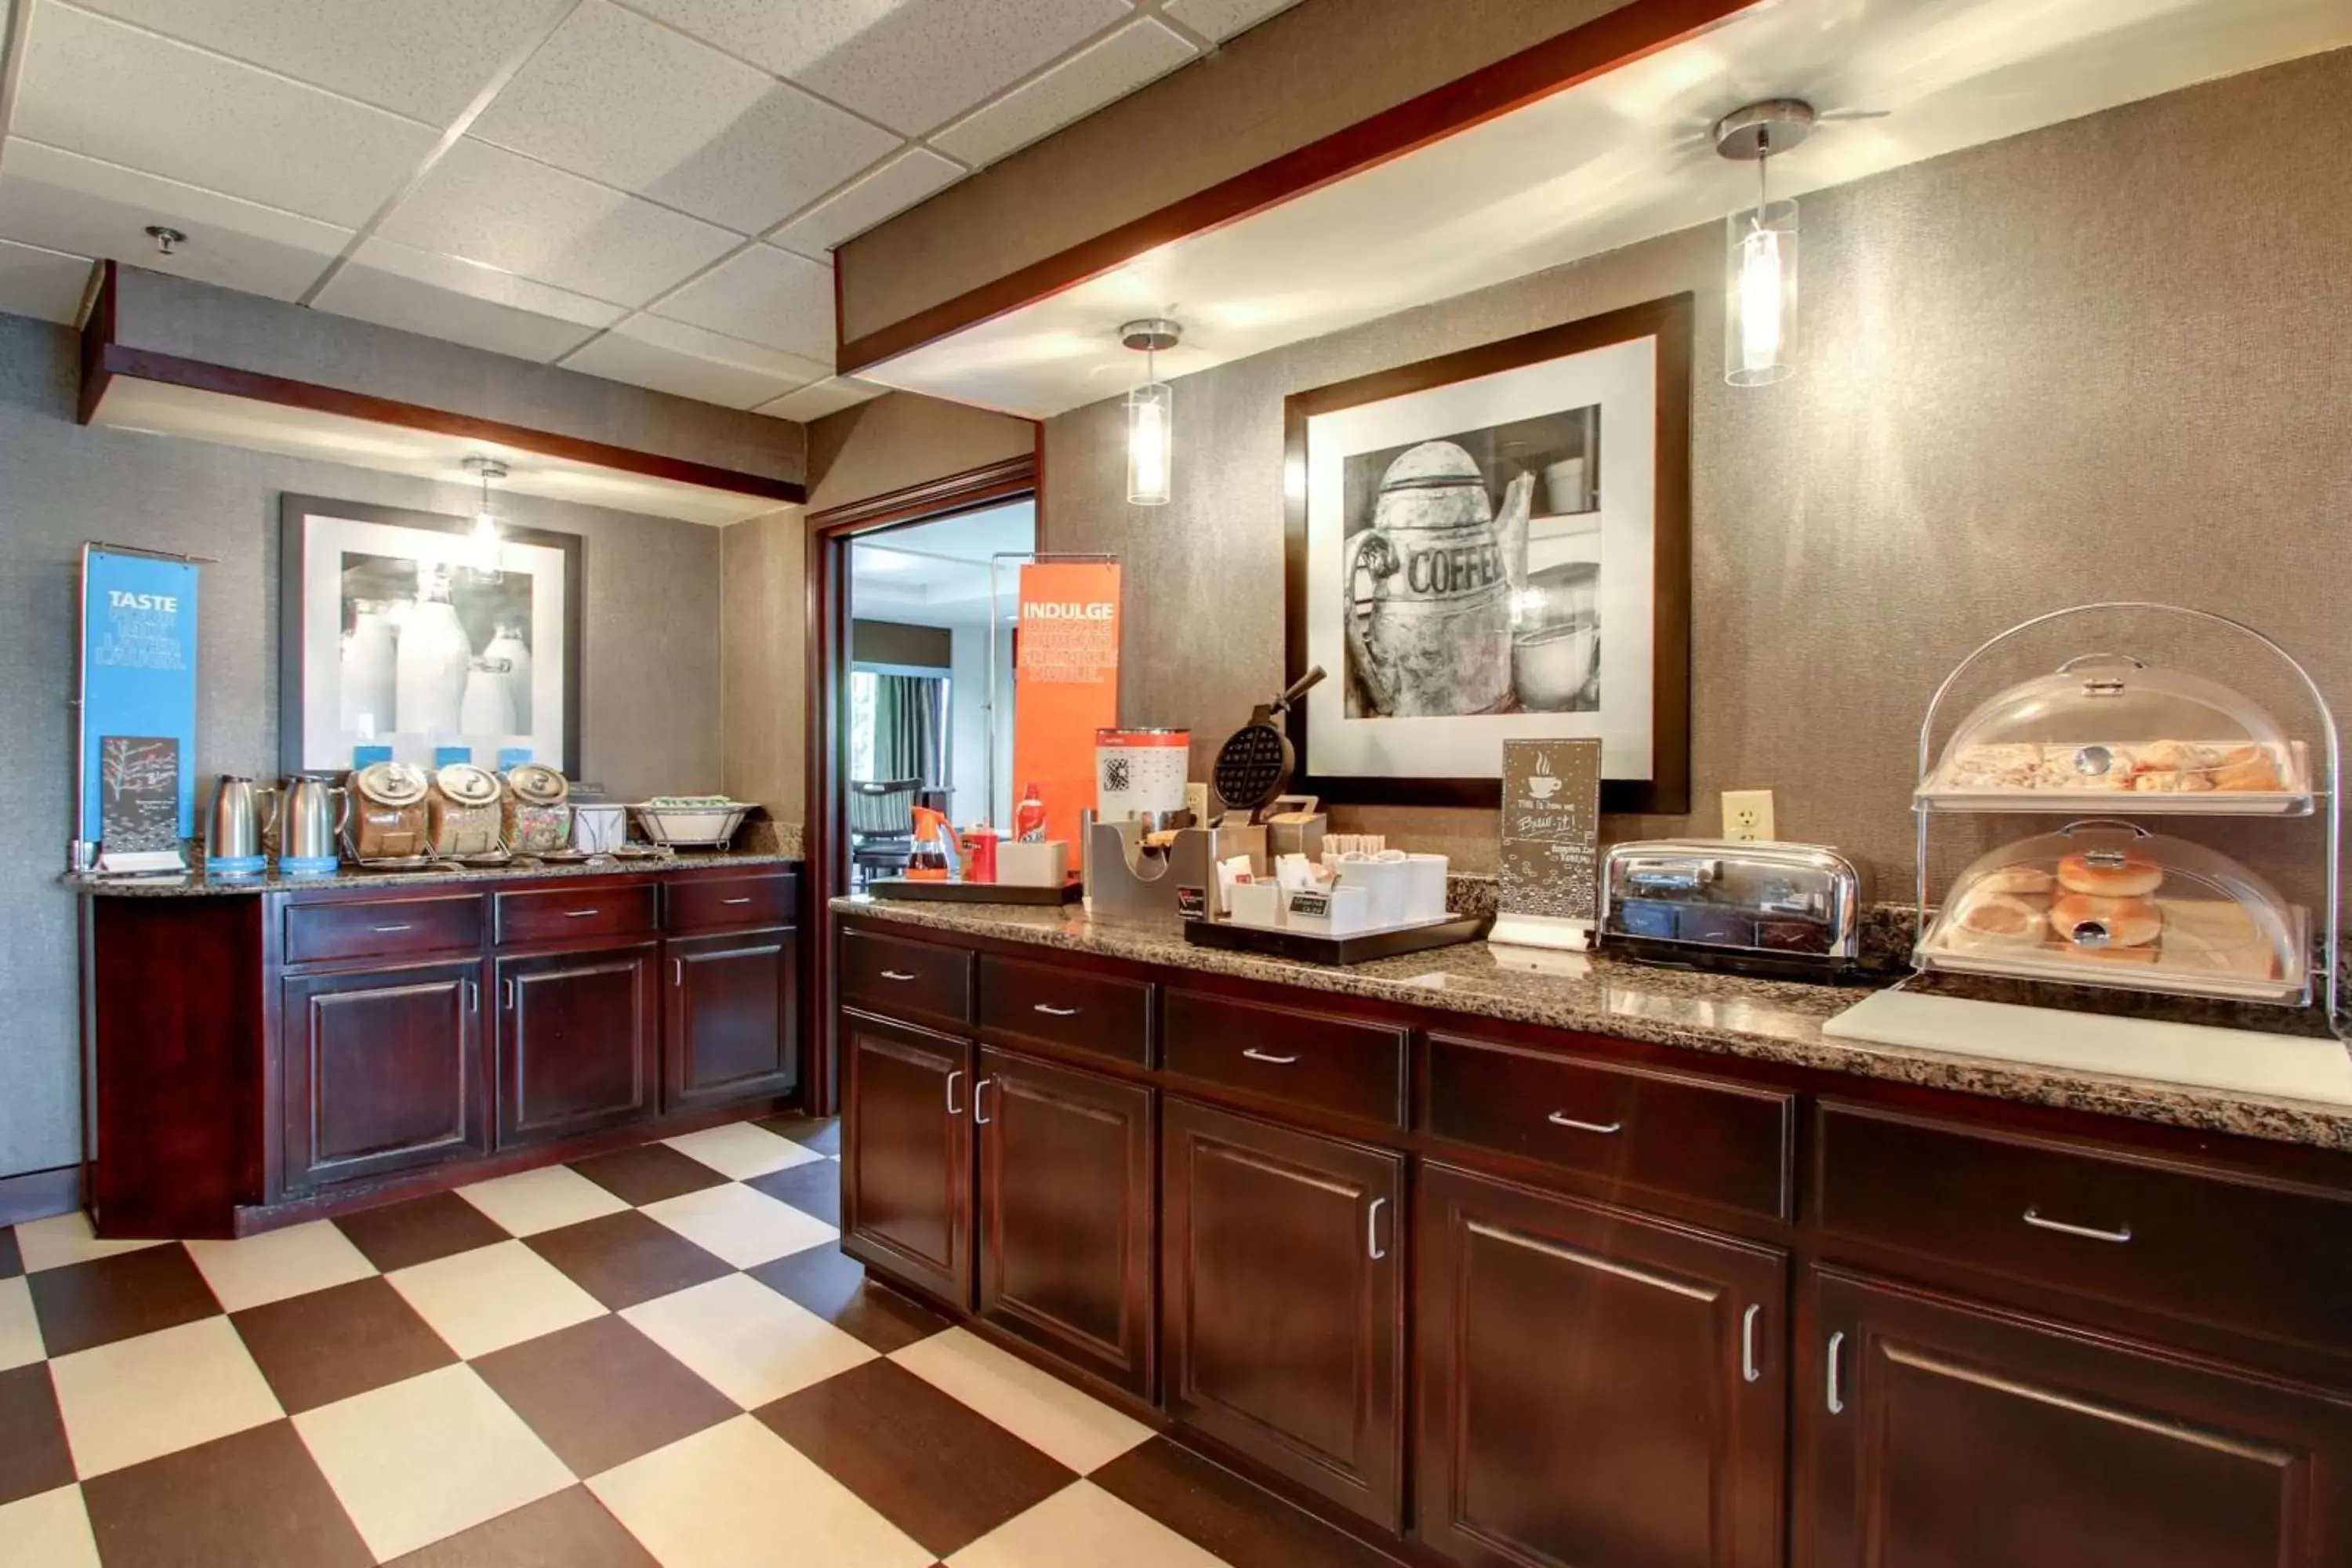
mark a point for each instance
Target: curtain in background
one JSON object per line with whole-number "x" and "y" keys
{"x": 910, "y": 728}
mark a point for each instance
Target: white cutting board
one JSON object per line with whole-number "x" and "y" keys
{"x": 2287, "y": 1067}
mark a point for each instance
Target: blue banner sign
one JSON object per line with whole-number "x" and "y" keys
{"x": 138, "y": 699}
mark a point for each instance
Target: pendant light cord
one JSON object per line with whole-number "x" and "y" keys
{"x": 1763, "y": 156}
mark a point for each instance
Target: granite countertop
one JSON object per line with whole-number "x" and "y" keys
{"x": 1768, "y": 1020}
{"x": 195, "y": 884}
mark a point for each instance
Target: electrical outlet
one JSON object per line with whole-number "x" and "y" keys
{"x": 1747, "y": 814}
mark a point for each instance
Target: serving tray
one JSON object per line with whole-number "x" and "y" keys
{"x": 911, "y": 890}
{"x": 1311, "y": 947}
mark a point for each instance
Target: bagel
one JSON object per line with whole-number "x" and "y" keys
{"x": 2128, "y": 922}
{"x": 2017, "y": 878}
{"x": 1998, "y": 919}
{"x": 2131, "y": 879}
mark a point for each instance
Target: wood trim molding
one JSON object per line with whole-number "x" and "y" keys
{"x": 37, "y": 1195}
{"x": 953, "y": 492}
{"x": 103, "y": 358}
{"x": 1604, "y": 44}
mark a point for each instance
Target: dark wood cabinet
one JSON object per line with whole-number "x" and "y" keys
{"x": 579, "y": 1037}
{"x": 727, "y": 1028}
{"x": 1065, "y": 1207}
{"x": 382, "y": 1072}
{"x": 906, "y": 1153}
{"x": 1940, "y": 1432}
{"x": 1283, "y": 1301}
{"x": 1594, "y": 1387}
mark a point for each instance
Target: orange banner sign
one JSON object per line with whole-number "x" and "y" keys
{"x": 1066, "y": 669}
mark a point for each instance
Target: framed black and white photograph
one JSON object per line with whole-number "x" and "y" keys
{"x": 1495, "y": 545}
{"x": 404, "y": 638}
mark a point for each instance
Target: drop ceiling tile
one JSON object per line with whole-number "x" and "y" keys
{"x": 782, "y": 38}
{"x": 893, "y": 188}
{"x": 763, "y": 296}
{"x": 1111, "y": 69}
{"x": 110, "y": 91}
{"x": 421, "y": 57}
{"x": 829, "y": 396}
{"x": 1221, "y": 19}
{"x": 927, "y": 61}
{"x": 442, "y": 297}
{"x": 631, "y": 103}
{"x": 484, "y": 204}
{"x": 67, "y": 202}
{"x": 670, "y": 356}
{"x": 42, "y": 284}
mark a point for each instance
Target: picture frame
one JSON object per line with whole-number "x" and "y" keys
{"x": 346, "y": 572}
{"x": 1457, "y": 532}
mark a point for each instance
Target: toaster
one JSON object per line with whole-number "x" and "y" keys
{"x": 1758, "y": 908}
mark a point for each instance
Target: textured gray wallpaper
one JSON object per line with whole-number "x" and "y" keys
{"x": 2107, "y": 359}
{"x": 649, "y": 676}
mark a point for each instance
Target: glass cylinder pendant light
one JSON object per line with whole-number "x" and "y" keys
{"x": 486, "y": 522}
{"x": 1760, "y": 302}
{"x": 1151, "y": 415}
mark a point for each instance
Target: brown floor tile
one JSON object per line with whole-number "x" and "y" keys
{"x": 117, "y": 1298}
{"x": 821, "y": 1133}
{"x": 12, "y": 1260}
{"x": 33, "y": 1456}
{"x": 647, "y": 1173}
{"x": 1225, "y": 1515}
{"x": 625, "y": 1259}
{"x": 833, "y": 1285}
{"x": 600, "y": 1393}
{"x": 254, "y": 1497}
{"x": 570, "y": 1530}
{"x": 930, "y": 1464}
{"x": 813, "y": 1188}
{"x": 419, "y": 1230}
{"x": 333, "y": 1343}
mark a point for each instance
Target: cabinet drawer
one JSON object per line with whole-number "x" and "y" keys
{"x": 594, "y": 908}
{"x": 900, "y": 979}
{"x": 386, "y": 928}
{"x": 1718, "y": 1142}
{"x": 1351, "y": 1068}
{"x": 2256, "y": 1256}
{"x": 710, "y": 903}
{"x": 1097, "y": 1012}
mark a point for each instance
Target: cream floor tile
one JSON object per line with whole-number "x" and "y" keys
{"x": 1042, "y": 1411}
{"x": 742, "y": 1149}
{"x": 20, "y": 1331}
{"x": 420, "y": 1459}
{"x": 738, "y": 1496}
{"x": 742, "y": 1225}
{"x": 277, "y": 1264}
{"x": 1083, "y": 1526}
{"x": 493, "y": 1297}
{"x": 65, "y": 1238}
{"x": 746, "y": 1340}
{"x": 533, "y": 1201}
{"x": 137, "y": 1398}
{"x": 47, "y": 1529}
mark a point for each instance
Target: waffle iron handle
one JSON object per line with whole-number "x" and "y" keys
{"x": 1300, "y": 688}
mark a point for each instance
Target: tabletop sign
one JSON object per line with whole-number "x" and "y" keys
{"x": 139, "y": 793}
{"x": 1548, "y": 889}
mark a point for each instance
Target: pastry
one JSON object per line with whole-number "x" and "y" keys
{"x": 2170, "y": 780}
{"x": 1998, "y": 919}
{"x": 2019, "y": 878}
{"x": 2004, "y": 766}
{"x": 2128, "y": 922}
{"x": 2170, "y": 756}
{"x": 2254, "y": 773}
{"x": 2108, "y": 879}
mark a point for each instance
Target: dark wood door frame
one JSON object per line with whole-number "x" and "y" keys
{"x": 824, "y": 835}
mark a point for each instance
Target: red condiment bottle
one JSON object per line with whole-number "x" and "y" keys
{"x": 1029, "y": 817}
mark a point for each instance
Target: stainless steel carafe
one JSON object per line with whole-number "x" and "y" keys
{"x": 316, "y": 811}
{"x": 235, "y": 830}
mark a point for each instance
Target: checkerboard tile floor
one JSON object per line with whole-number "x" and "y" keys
{"x": 658, "y": 1356}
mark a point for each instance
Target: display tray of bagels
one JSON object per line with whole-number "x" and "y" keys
{"x": 2115, "y": 905}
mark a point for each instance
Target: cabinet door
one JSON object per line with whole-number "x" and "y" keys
{"x": 1942, "y": 1432}
{"x": 382, "y": 1072}
{"x": 1282, "y": 1332}
{"x": 577, "y": 1036}
{"x": 906, "y": 1154}
{"x": 729, "y": 1032}
{"x": 1596, "y": 1388}
{"x": 1065, "y": 1231}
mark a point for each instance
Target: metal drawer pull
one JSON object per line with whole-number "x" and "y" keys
{"x": 678, "y": 972}
{"x": 745, "y": 899}
{"x": 2088, "y": 1233}
{"x": 473, "y": 997}
{"x": 1053, "y": 1012}
{"x": 1561, "y": 1119}
{"x": 1836, "y": 1394}
{"x": 979, "y": 1088}
{"x": 1749, "y": 1371}
{"x": 953, "y": 1074}
{"x": 895, "y": 974}
{"x": 1372, "y": 1230}
{"x": 507, "y": 995}
{"x": 1258, "y": 1056}
{"x": 580, "y": 914}
{"x": 387, "y": 930}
